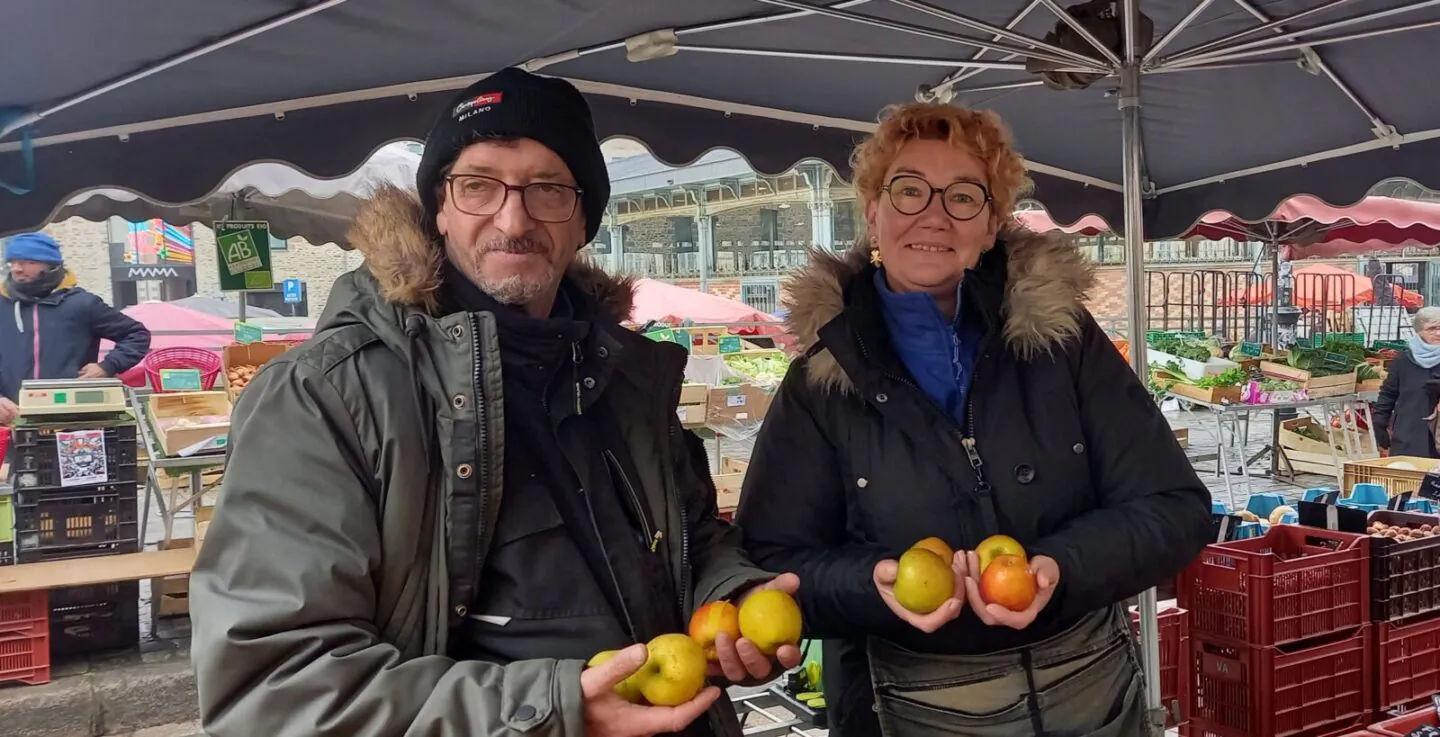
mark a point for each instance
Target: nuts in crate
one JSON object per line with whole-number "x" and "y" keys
{"x": 238, "y": 377}
{"x": 1401, "y": 533}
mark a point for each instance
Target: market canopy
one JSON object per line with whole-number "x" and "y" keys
{"x": 295, "y": 205}
{"x": 1243, "y": 102}
{"x": 1304, "y": 226}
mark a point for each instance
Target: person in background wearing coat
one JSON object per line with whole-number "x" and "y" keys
{"x": 1401, "y": 415}
{"x": 954, "y": 385}
{"x": 50, "y": 328}
{"x": 472, "y": 478}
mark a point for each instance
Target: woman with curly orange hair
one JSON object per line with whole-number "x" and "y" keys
{"x": 954, "y": 386}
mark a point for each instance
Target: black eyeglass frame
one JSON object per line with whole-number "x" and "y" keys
{"x": 930, "y": 197}
{"x": 521, "y": 188}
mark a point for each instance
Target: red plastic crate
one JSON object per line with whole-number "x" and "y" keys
{"x": 1245, "y": 691}
{"x": 1295, "y": 583}
{"x": 1408, "y": 657}
{"x": 25, "y": 637}
{"x": 1401, "y": 725}
{"x": 1174, "y": 628}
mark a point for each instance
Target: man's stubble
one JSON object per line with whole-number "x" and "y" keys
{"x": 512, "y": 289}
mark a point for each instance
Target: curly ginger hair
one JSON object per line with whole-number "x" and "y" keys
{"x": 981, "y": 133}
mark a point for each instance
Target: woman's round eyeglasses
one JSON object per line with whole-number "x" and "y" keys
{"x": 545, "y": 202}
{"x": 910, "y": 195}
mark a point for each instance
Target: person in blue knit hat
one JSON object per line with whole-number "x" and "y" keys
{"x": 50, "y": 328}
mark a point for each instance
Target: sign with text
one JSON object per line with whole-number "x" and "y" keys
{"x": 729, "y": 344}
{"x": 246, "y": 333}
{"x": 180, "y": 380}
{"x": 292, "y": 290}
{"x": 244, "y": 255}
{"x": 1250, "y": 349}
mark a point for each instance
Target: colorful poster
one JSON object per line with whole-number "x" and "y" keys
{"x": 81, "y": 456}
{"x": 158, "y": 242}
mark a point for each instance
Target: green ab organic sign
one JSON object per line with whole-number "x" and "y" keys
{"x": 244, "y": 255}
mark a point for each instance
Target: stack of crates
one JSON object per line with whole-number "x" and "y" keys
{"x": 1405, "y": 605}
{"x": 7, "y": 527}
{"x": 69, "y": 504}
{"x": 1173, "y": 626}
{"x": 1280, "y": 636}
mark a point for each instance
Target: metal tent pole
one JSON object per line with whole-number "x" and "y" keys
{"x": 1134, "y": 183}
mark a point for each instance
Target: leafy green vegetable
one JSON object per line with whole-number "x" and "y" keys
{"x": 1366, "y": 372}
{"x": 764, "y": 368}
{"x": 1188, "y": 348}
{"x": 1229, "y": 377}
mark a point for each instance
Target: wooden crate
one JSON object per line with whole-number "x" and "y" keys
{"x": 163, "y": 409}
{"x": 174, "y": 597}
{"x": 1182, "y": 436}
{"x": 1210, "y": 395}
{"x": 1318, "y": 387}
{"x": 727, "y": 491}
{"x": 1307, "y": 455}
{"x": 253, "y": 355}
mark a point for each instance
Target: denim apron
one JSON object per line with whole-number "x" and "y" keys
{"x": 1083, "y": 682}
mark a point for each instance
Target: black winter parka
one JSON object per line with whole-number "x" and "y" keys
{"x": 854, "y": 463}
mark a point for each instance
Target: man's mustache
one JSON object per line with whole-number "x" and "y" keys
{"x": 515, "y": 246}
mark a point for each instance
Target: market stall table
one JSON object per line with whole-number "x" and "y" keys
{"x": 194, "y": 466}
{"x": 1235, "y": 418}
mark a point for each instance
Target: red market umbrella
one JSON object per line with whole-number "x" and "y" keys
{"x": 1323, "y": 285}
{"x": 1039, "y": 221}
{"x": 1310, "y": 227}
{"x": 1304, "y": 226}
{"x": 663, "y": 302}
{"x": 168, "y": 317}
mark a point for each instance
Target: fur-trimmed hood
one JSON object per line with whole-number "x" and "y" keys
{"x": 1045, "y": 285}
{"x": 405, "y": 258}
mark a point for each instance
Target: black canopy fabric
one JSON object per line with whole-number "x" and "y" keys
{"x": 321, "y": 85}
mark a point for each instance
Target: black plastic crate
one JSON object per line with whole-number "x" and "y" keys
{"x": 1404, "y": 576}
{"x": 35, "y": 456}
{"x": 83, "y": 522}
{"x": 90, "y": 619}
{"x": 7, "y": 553}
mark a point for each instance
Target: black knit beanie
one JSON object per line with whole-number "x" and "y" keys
{"x": 513, "y": 103}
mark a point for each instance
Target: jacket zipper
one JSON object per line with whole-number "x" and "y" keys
{"x": 575, "y": 357}
{"x": 967, "y": 437}
{"x": 482, "y": 434}
{"x": 35, "y": 328}
{"x": 652, "y": 536}
{"x": 684, "y": 526}
{"x": 614, "y": 580}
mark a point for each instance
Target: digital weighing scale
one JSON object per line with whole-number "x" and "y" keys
{"x": 49, "y": 397}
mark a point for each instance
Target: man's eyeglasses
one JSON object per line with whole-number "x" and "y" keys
{"x": 910, "y": 195}
{"x": 545, "y": 202}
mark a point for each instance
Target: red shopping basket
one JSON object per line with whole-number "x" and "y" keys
{"x": 182, "y": 358}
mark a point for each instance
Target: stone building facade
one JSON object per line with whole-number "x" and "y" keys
{"x": 86, "y": 248}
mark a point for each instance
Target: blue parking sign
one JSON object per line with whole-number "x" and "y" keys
{"x": 291, "y": 289}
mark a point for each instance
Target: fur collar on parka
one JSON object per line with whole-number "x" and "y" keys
{"x": 405, "y": 261}
{"x": 1046, "y": 281}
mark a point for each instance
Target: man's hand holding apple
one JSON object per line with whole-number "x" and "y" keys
{"x": 742, "y": 661}
{"x": 607, "y": 714}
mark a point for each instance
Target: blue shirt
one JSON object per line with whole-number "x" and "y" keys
{"x": 939, "y": 351}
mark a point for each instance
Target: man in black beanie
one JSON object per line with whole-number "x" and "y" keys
{"x": 472, "y": 479}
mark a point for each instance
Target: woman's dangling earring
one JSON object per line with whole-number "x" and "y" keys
{"x": 875, "y": 259}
